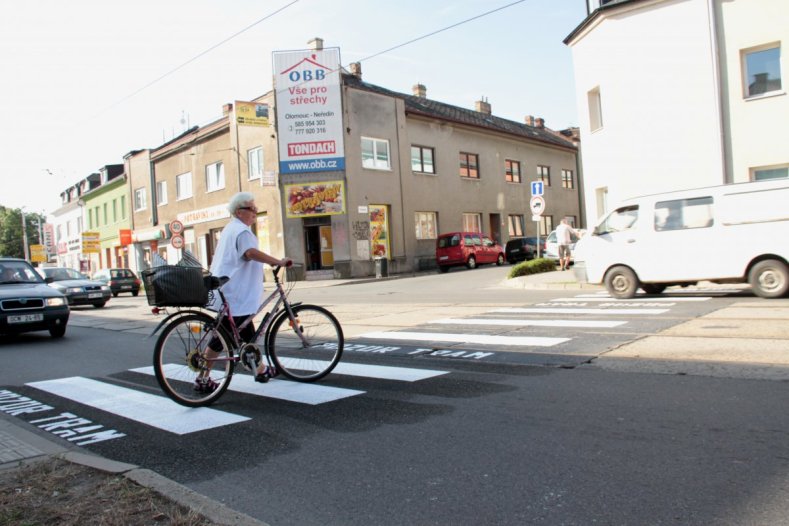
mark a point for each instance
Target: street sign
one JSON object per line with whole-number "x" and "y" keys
{"x": 176, "y": 227}
{"x": 177, "y": 241}
{"x": 537, "y": 188}
{"x": 537, "y": 205}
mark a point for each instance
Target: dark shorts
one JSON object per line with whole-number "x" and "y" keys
{"x": 564, "y": 251}
{"x": 247, "y": 333}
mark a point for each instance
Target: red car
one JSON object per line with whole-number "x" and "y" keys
{"x": 467, "y": 248}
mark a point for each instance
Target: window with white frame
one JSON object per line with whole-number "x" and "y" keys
{"x": 595, "y": 109}
{"x": 161, "y": 193}
{"x": 472, "y": 222}
{"x": 422, "y": 159}
{"x": 139, "y": 200}
{"x": 762, "y": 70}
{"x": 426, "y": 225}
{"x": 375, "y": 153}
{"x": 515, "y": 225}
{"x": 214, "y": 176}
{"x": 255, "y": 163}
{"x": 183, "y": 186}
{"x": 567, "y": 179}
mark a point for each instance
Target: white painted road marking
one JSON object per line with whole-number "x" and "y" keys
{"x": 531, "y": 323}
{"x": 589, "y": 297}
{"x": 403, "y": 374}
{"x": 152, "y": 410}
{"x": 516, "y": 310}
{"x": 479, "y": 339}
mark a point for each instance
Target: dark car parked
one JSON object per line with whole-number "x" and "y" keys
{"x": 119, "y": 280}
{"x": 76, "y": 286}
{"x": 27, "y": 303}
{"x": 521, "y": 249}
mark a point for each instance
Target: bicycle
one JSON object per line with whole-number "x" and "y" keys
{"x": 303, "y": 342}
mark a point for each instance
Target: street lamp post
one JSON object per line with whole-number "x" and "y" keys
{"x": 26, "y": 254}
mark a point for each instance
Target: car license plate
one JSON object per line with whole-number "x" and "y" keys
{"x": 515, "y": 250}
{"x": 125, "y": 286}
{"x": 442, "y": 258}
{"x": 25, "y": 318}
{"x": 94, "y": 295}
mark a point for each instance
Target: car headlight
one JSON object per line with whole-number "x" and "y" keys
{"x": 74, "y": 290}
{"x": 105, "y": 287}
{"x": 56, "y": 302}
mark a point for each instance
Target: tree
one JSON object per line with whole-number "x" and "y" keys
{"x": 11, "y": 244}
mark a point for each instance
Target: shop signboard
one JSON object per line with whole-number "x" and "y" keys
{"x": 315, "y": 199}
{"x": 91, "y": 243}
{"x": 379, "y": 231}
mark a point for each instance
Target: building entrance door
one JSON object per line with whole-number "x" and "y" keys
{"x": 318, "y": 249}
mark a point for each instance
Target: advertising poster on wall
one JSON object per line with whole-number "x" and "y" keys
{"x": 251, "y": 113}
{"x": 309, "y": 110}
{"x": 379, "y": 231}
{"x": 315, "y": 199}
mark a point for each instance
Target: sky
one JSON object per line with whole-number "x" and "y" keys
{"x": 84, "y": 82}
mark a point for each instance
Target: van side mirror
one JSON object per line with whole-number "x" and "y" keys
{"x": 596, "y": 231}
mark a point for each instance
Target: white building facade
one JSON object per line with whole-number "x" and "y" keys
{"x": 676, "y": 94}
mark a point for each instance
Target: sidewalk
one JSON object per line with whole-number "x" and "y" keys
{"x": 748, "y": 339}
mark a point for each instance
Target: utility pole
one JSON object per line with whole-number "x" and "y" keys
{"x": 24, "y": 236}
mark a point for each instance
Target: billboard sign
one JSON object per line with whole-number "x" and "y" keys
{"x": 315, "y": 199}
{"x": 251, "y": 113}
{"x": 309, "y": 111}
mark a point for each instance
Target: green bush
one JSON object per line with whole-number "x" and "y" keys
{"x": 535, "y": 266}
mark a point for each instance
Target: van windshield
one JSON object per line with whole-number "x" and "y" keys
{"x": 619, "y": 220}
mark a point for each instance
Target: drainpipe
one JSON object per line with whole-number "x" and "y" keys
{"x": 154, "y": 212}
{"x": 726, "y": 177}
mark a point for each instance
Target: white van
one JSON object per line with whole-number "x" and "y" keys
{"x": 733, "y": 233}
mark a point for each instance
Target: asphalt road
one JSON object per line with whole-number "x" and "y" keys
{"x": 432, "y": 432}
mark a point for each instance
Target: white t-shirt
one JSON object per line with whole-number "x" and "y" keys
{"x": 244, "y": 291}
{"x": 563, "y": 234}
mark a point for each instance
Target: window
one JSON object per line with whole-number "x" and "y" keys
{"x": 139, "y": 200}
{"x": 681, "y": 214}
{"x": 567, "y": 179}
{"x": 512, "y": 171}
{"x": 114, "y": 210}
{"x": 426, "y": 225}
{"x": 595, "y": 109}
{"x": 546, "y": 225}
{"x": 544, "y": 173}
{"x": 620, "y": 219}
{"x": 90, "y": 220}
{"x": 777, "y": 172}
{"x": 183, "y": 186}
{"x": 572, "y": 220}
{"x": 255, "y": 163}
{"x": 422, "y": 160}
{"x": 762, "y": 69}
{"x": 214, "y": 177}
{"x": 123, "y": 207}
{"x": 161, "y": 193}
{"x": 469, "y": 165}
{"x": 516, "y": 225}
{"x": 472, "y": 223}
{"x": 375, "y": 153}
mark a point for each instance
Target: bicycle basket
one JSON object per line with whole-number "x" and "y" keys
{"x": 175, "y": 286}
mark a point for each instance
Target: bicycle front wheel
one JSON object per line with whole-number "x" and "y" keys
{"x": 188, "y": 371}
{"x": 308, "y": 346}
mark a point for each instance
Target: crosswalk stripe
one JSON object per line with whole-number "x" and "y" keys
{"x": 531, "y": 323}
{"x": 589, "y": 297}
{"x": 480, "y": 339}
{"x": 152, "y": 410}
{"x": 549, "y": 310}
{"x": 303, "y": 393}
{"x": 403, "y": 374}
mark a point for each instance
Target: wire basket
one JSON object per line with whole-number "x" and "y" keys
{"x": 176, "y": 286}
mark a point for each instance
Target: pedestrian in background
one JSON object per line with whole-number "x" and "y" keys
{"x": 564, "y": 233}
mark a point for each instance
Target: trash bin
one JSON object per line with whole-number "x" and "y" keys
{"x": 381, "y": 268}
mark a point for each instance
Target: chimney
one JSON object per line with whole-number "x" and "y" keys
{"x": 420, "y": 91}
{"x": 226, "y": 109}
{"x": 530, "y": 120}
{"x": 316, "y": 44}
{"x": 482, "y": 106}
{"x": 540, "y": 122}
{"x": 356, "y": 69}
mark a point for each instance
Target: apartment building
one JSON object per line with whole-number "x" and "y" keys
{"x": 676, "y": 94}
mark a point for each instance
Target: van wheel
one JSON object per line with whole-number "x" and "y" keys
{"x": 500, "y": 260}
{"x": 472, "y": 262}
{"x": 443, "y": 269}
{"x": 653, "y": 288}
{"x": 769, "y": 279}
{"x": 621, "y": 283}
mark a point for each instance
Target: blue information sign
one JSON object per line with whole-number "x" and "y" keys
{"x": 536, "y": 188}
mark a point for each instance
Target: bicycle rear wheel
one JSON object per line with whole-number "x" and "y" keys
{"x": 187, "y": 371}
{"x": 310, "y": 352}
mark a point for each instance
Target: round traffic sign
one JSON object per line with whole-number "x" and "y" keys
{"x": 537, "y": 205}
{"x": 177, "y": 242}
{"x": 176, "y": 227}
